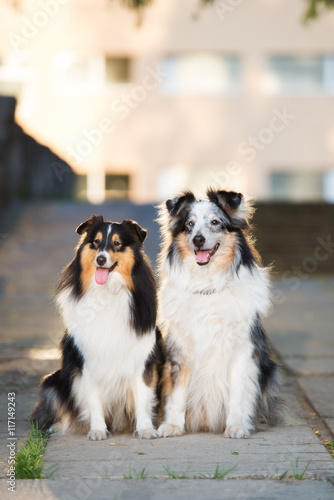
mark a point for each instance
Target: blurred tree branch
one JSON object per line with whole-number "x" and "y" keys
{"x": 313, "y": 7}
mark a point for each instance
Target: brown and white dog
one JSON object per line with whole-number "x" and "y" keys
{"x": 111, "y": 353}
{"x": 218, "y": 375}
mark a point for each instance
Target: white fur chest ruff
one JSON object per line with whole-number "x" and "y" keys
{"x": 217, "y": 318}
{"x": 100, "y": 325}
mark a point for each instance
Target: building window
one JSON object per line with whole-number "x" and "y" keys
{"x": 80, "y": 190}
{"x": 10, "y": 88}
{"x": 15, "y": 72}
{"x": 77, "y": 72}
{"x": 117, "y": 69}
{"x": 304, "y": 74}
{"x": 297, "y": 186}
{"x": 201, "y": 74}
{"x": 117, "y": 186}
{"x": 80, "y": 72}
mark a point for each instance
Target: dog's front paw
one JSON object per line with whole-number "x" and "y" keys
{"x": 95, "y": 435}
{"x": 148, "y": 433}
{"x": 56, "y": 428}
{"x": 236, "y": 432}
{"x": 167, "y": 430}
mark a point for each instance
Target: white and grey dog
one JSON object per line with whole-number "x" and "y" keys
{"x": 218, "y": 374}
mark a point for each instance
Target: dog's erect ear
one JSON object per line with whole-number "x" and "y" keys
{"x": 94, "y": 219}
{"x": 176, "y": 205}
{"x": 233, "y": 204}
{"x": 139, "y": 231}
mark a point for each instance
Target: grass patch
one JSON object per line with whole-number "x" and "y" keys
{"x": 279, "y": 476}
{"x": 133, "y": 474}
{"x": 219, "y": 473}
{"x": 295, "y": 472}
{"x": 173, "y": 474}
{"x": 29, "y": 462}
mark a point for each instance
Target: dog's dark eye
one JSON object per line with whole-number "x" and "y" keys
{"x": 191, "y": 223}
{"x": 96, "y": 241}
{"x": 214, "y": 222}
{"x": 117, "y": 243}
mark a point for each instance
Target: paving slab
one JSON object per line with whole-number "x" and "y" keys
{"x": 22, "y": 375}
{"x": 180, "y": 490}
{"x": 319, "y": 390}
{"x": 24, "y": 404}
{"x": 290, "y": 341}
{"x": 264, "y": 455}
{"x": 301, "y": 322}
{"x": 25, "y": 332}
{"x": 153, "y": 489}
{"x": 34, "y": 353}
{"x": 310, "y": 366}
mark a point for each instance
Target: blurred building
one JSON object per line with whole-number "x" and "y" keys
{"x": 238, "y": 95}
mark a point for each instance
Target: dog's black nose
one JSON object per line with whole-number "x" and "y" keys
{"x": 198, "y": 240}
{"x": 101, "y": 260}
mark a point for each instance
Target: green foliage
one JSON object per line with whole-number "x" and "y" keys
{"x": 173, "y": 474}
{"x": 137, "y": 475}
{"x": 330, "y": 448}
{"x": 207, "y": 2}
{"x": 219, "y": 473}
{"x": 136, "y": 4}
{"x": 295, "y": 470}
{"x": 314, "y": 6}
{"x": 30, "y": 456}
{"x": 282, "y": 476}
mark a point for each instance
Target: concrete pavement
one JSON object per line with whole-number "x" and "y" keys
{"x": 300, "y": 329}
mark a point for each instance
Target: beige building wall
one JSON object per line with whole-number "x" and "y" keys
{"x": 168, "y": 142}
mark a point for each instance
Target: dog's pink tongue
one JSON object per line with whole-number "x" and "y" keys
{"x": 101, "y": 275}
{"x": 201, "y": 255}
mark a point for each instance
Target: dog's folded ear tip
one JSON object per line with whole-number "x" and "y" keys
{"x": 175, "y": 205}
{"x": 140, "y": 231}
{"x": 225, "y": 199}
{"x": 171, "y": 205}
{"x": 93, "y": 219}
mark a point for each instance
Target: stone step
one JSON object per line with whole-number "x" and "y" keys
{"x": 289, "y": 234}
{"x": 305, "y": 262}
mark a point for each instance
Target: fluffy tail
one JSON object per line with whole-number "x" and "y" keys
{"x": 46, "y": 413}
{"x": 270, "y": 404}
